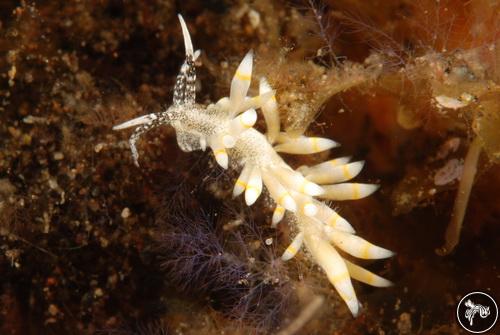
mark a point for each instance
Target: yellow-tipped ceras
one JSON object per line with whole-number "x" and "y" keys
{"x": 226, "y": 127}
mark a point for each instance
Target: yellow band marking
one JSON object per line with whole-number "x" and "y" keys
{"x": 242, "y": 76}
{"x": 371, "y": 278}
{"x": 279, "y": 210}
{"x": 347, "y": 174}
{"x": 291, "y": 249}
{"x": 315, "y": 145}
{"x": 219, "y": 152}
{"x": 338, "y": 278}
{"x": 366, "y": 251}
{"x": 253, "y": 187}
{"x": 333, "y": 219}
{"x": 241, "y": 183}
{"x": 334, "y": 162}
{"x": 356, "y": 190}
{"x": 282, "y": 197}
{"x": 302, "y": 187}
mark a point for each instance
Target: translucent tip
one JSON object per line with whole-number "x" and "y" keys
{"x": 187, "y": 38}
{"x": 222, "y": 159}
{"x": 310, "y": 209}
{"x": 249, "y": 117}
{"x": 251, "y": 195}
{"x": 313, "y": 189}
{"x": 245, "y": 66}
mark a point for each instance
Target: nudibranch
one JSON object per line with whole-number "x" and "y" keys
{"x": 226, "y": 127}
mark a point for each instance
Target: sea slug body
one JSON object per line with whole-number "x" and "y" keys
{"x": 226, "y": 127}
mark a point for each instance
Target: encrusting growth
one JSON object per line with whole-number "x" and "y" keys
{"x": 227, "y": 128}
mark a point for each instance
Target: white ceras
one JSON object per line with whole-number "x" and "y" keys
{"x": 226, "y": 127}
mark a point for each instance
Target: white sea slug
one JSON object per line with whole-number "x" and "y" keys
{"x": 226, "y": 127}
